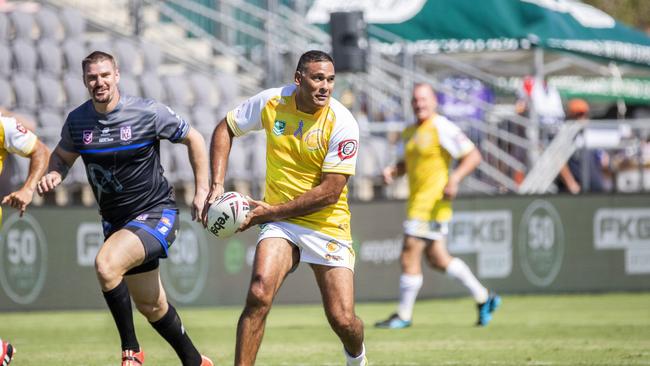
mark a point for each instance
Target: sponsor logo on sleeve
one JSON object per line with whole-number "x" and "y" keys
{"x": 347, "y": 149}
{"x": 21, "y": 128}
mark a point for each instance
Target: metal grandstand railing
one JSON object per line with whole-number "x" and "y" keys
{"x": 285, "y": 34}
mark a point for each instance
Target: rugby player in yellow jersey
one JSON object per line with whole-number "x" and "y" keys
{"x": 429, "y": 146}
{"x": 16, "y": 139}
{"x": 312, "y": 142}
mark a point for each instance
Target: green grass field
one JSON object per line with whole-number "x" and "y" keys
{"x": 609, "y": 329}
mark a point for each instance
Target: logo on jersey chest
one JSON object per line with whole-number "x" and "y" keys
{"x": 87, "y": 136}
{"x": 125, "y": 133}
{"x": 313, "y": 140}
{"x": 278, "y": 127}
{"x": 105, "y": 135}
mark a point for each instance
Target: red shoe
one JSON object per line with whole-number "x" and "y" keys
{"x": 132, "y": 358}
{"x": 7, "y": 352}
{"x": 206, "y": 361}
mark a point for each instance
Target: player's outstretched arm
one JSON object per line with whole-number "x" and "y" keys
{"x": 58, "y": 167}
{"x": 198, "y": 156}
{"x": 326, "y": 193}
{"x": 21, "y": 198}
{"x": 219, "y": 151}
{"x": 467, "y": 165}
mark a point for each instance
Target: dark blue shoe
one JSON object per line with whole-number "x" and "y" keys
{"x": 393, "y": 322}
{"x": 486, "y": 309}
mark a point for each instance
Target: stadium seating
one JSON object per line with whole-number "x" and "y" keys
{"x": 41, "y": 49}
{"x": 4, "y": 28}
{"x": 5, "y": 60}
{"x": 50, "y": 56}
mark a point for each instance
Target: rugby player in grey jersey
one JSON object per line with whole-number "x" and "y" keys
{"x": 118, "y": 138}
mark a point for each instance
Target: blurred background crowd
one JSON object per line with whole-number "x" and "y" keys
{"x": 556, "y": 94}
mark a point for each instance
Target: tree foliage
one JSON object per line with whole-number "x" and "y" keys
{"x": 635, "y": 13}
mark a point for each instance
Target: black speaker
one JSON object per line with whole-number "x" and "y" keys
{"x": 349, "y": 41}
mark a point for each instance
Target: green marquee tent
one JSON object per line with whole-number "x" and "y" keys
{"x": 454, "y": 26}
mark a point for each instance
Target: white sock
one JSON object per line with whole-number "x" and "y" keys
{"x": 359, "y": 360}
{"x": 458, "y": 269}
{"x": 409, "y": 286}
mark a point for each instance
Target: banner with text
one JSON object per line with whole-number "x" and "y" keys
{"x": 513, "y": 244}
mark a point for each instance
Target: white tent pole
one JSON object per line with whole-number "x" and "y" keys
{"x": 533, "y": 129}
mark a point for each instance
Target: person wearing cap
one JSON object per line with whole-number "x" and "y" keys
{"x": 571, "y": 175}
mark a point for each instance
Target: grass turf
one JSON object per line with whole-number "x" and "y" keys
{"x": 607, "y": 329}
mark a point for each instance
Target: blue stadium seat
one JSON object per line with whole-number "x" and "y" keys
{"x": 152, "y": 86}
{"x": 152, "y": 57}
{"x": 5, "y": 60}
{"x": 74, "y": 89}
{"x": 50, "y": 123}
{"x": 6, "y": 94}
{"x": 204, "y": 89}
{"x": 50, "y": 92}
{"x": 178, "y": 90}
{"x": 49, "y": 24}
{"x": 73, "y": 52}
{"x": 103, "y": 45}
{"x": 23, "y": 24}
{"x": 25, "y": 91}
{"x": 127, "y": 56}
{"x": 24, "y": 56}
{"x": 4, "y": 28}
{"x": 129, "y": 85}
{"x": 73, "y": 23}
{"x": 204, "y": 120}
{"x": 50, "y": 56}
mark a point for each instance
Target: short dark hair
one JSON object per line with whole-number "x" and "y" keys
{"x": 312, "y": 56}
{"x": 97, "y": 56}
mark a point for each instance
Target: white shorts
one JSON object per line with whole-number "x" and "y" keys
{"x": 432, "y": 230}
{"x": 315, "y": 247}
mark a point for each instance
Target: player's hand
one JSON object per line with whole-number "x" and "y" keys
{"x": 48, "y": 182}
{"x": 389, "y": 173}
{"x": 216, "y": 190}
{"x": 451, "y": 189}
{"x": 573, "y": 187}
{"x": 198, "y": 203}
{"x": 260, "y": 213}
{"x": 19, "y": 199}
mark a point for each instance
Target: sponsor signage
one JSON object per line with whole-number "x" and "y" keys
{"x": 489, "y": 235}
{"x": 625, "y": 229}
{"x": 514, "y": 244}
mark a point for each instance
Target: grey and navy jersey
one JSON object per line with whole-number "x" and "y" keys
{"x": 121, "y": 152}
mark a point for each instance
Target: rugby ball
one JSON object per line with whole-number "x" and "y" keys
{"x": 227, "y": 214}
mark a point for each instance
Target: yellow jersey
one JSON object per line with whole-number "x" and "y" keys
{"x": 428, "y": 149}
{"x": 14, "y": 139}
{"x": 300, "y": 147}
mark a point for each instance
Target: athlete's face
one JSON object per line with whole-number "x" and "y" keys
{"x": 424, "y": 102}
{"x": 101, "y": 79}
{"x": 315, "y": 86}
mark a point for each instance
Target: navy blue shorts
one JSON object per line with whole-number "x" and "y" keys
{"x": 157, "y": 229}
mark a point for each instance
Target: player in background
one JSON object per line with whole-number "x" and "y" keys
{"x": 118, "y": 138}
{"x": 312, "y": 141}
{"x": 429, "y": 147}
{"x": 16, "y": 139}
